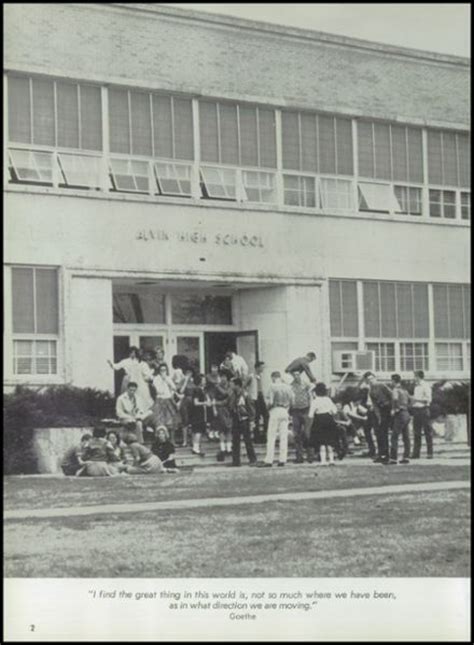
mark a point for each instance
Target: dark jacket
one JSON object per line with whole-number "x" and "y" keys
{"x": 241, "y": 411}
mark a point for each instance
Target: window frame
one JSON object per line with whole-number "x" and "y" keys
{"x": 10, "y": 337}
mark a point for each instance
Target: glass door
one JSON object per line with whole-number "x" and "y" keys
{"x": 247, "y": 347}
{"x": 191, "y": 346}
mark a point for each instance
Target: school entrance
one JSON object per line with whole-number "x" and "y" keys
{"x": 200, "y": 324}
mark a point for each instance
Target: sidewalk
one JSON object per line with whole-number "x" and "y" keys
{"x": 233, "y": 501}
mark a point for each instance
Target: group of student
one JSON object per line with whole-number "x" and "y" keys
{"x": 229, "y": 405}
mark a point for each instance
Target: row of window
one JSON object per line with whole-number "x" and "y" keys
{"x": 406, "y": 356}
{"x": 325, "y": 194}
{"x": 399, "y": 310}
{"x": 60, "y": 114}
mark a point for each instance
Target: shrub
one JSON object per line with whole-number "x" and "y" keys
{"x": 53, "y": 407}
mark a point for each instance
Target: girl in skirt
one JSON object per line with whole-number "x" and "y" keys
{"x": 164, "y": 409}
{"x": 324, "y": 428}
{"x": 198, "y": 412}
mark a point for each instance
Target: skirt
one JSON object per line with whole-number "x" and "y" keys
{"x": 165, "y": 413}
{"x": 323, "y": 430}
{"x": 151, "y": 466}
{"x": 97, "y": 469}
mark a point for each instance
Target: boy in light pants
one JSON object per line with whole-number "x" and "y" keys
{"x": 280, "y": 399}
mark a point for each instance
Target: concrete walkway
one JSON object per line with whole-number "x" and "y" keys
{"x": 206, "y": 502}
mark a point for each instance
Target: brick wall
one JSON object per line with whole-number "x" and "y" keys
{"x": 161, "y": 49}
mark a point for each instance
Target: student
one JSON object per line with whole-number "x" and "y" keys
{"x": 344, "y": 427}
{"x": 380, "y": 406}
{"x": 131, "y": 366}
{"x": 129, "y": 411}
{"x": 401, "y": 420}
{"x": 73, "y": 462}
{"x": 223, "y": 416}
{"x": 164, "y": 409}
{"x": 280, "y": 399}
{"x": 163, "y": 448}
{"x": 185, "y": 392}
{"x": 255, "y": 389}
{"x": 324, "y": 428}
{"x": 239, "y": 365}
{"x": 357, "y": 413}
{"x": 243, "y": 415}
{"x": 198, "y": 415}
{"x": 299, "y": 414}
{"x": 420, "y": 407}
{"x": 212, "y": 381}
{"x": 302, "y": 364}
{"x": 145, "y": 462}
{"x": 99, "y": 456}
{"x": 228, "y": 367}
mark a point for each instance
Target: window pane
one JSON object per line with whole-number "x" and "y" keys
{"x": 139, "y": 307}
{"x": 384, "y": 356}
{"x": 91, "y": 117}
{"x": 467, "y": 311}
{"x": 203, "y": 310}
{"x": 183, "y": 129}
{"x": 455, "y": 293}
{"x": 229, "y": 134}
{"x": 421, "y": 315}
{"x": 290, "y": 141}
{"x": 435, "y": 203}
{"x": 43, "y": 112}
{"x": 371, "y": 309}
{"x": 465, "y": 206}
{"x": 248, "y": 136}
{"x": 118, "y": 121}
{"x": 349, "y": 308}
{"x": 449, "y": 204}
{"x": 68, "y": 115}
{"x": 449, "y": 159}
{"x": 464, "y": 156}
{"x": 162, "y": 127}
{"x": 335, "y": 308}
{"x": 208, "y": 130}
{"x": 435, "y": 164}
{"x": 344, "y": 147}
{"x": 441, "y": 310}
{"x": 141, "y": 123}
{"x": 327, "y": 145}
{"x": 388, "y": 310}
{"x": 23, "y": 321}
{"x": 399, "y": 153}
{"x": 19, "y": 126}
{"x": 309, "y": 143}
{"x": 449, "y": 356}
{"x": 382, "y": 151}
{"x": 405, "y": 311}
{"x": 46, "y": 301}
{"x": 415, "y": 155}
{"x": 22, "y": 357}
{"x": 365, "y": 149}
{"x": 266, "y": 127}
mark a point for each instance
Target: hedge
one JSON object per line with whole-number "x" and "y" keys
{"x": 53, "y": 407}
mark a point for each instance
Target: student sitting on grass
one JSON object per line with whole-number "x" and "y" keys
{"x": 73, "y": 461}
{"x": 163, "y": 448}
{"x": 99, "y": 456}
{"x": 145, "y": 462}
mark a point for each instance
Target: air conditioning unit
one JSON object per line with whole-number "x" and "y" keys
{"x": 353, "y": 360}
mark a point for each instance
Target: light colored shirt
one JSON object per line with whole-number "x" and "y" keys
{"x": 280, "y": 395}
{"x": 400, "y": 399}
{"x": 255, "y": 386}
{"x": 164, "y": 387}
{"x": 422, "y": 395}
{"x": 127, "y": 408}
{"x": 321, "y": 405}
{"x": 133, "y": 368}
{"x": 239, "y": 365}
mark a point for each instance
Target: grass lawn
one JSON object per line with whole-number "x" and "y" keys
{"x": 413, "y": 534}
{"x": 38, "y": 492}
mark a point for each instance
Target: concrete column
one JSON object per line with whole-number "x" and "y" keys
{"x": 91, "y": 332}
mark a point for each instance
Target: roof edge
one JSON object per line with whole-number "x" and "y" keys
{"x": 295, "y": 32}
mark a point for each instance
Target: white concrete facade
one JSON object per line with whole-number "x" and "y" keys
{"x": 275, "y": 260}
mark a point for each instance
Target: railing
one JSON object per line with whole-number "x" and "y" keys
{"x": 327, "y": 194}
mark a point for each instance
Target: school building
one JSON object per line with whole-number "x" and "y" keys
{"x": 198, "y": 182}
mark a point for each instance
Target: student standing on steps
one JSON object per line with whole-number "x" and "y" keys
{"x": 401, "y": 420}
{"x": 243, "y": 414}
{"x": 280, "y": 399}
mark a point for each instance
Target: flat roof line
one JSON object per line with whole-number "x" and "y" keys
{"x": 295, "y": 32}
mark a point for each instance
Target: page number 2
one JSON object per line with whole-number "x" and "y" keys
{"x": 32, "y": 628}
